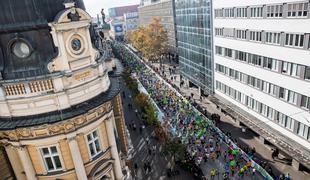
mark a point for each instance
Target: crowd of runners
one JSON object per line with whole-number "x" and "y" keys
{"x": 205, "y": 142}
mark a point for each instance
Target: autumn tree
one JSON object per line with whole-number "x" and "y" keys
{"x": 151, "y": 40}
{"x": 137, "y": 38}
{"x": 141, "y": 100}
{"x": 156, "y": 40}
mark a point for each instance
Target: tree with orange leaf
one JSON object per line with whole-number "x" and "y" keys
{"x": 151, "y": 40}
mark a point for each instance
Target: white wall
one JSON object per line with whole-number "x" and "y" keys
{"x": 294, "y": 55}
{"x": 273, "y": 125}
{"x": 236, "y": 3}
{"x": 273, "y": 102}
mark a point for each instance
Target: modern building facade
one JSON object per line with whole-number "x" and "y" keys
{"x": 164, "y": 10}
{"x": 131, "y": 21}
{"x": 60, "y": 112}
{"x": 117, "y": 28}
{"x": 262, "y": 68}
{"x": 122, "y": 18}
{"x": 120, "y": 11}
{"x": 194, "y": 42}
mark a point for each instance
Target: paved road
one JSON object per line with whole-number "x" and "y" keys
{"x": 158, "y": 162}
{"x": 245, "y": 139}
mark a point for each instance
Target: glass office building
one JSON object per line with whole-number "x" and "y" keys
{"x": 194, "y": 41}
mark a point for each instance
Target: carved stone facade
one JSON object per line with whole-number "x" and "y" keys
{"x": 63, "y": 127}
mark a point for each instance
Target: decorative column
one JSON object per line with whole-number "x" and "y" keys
{"x": 77, "y": 159}
{"x": 16, "y": 166}
{"x": 117, "y": 165}
{"x": 27, "y": 163}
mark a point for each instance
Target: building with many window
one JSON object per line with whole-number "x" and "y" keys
{"x": 131, "y": 21}
{"x": 194, "y": 41}
{"x": 122, "y": 19}
{"x": 164, "y": 10}
{"x": 262, "y": 69}
{"x": 60, "y": 112}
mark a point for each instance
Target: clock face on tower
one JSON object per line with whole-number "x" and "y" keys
{"x": 76, "y": 44}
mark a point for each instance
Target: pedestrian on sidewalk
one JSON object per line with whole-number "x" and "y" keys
{"x": 124, "y": 95}
{"x": 150, "y": 151}
{"x": 154, "y": 149}
{"x": 147, "y": 140}
{"x": 135, "y": 169}
{"x": 140, "y": 128}
{"x": 145, "y": 168}
{"x": 288, "y": 177}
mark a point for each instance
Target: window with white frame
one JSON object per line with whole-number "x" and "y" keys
{"x": 291, "y": 69}
{"x": 219, "y": 31}
{"x": 292, "y": 97}
{"x": 270, "y": 113}
{"x": 296, "y": 40}
{"x": 93, "y": 143}
{"x": 242, "y": 56}
{"x": 229, "y": 12}
{"x": 297, "y": 10}
{"x": 256, "y": 12}
{"x": 303, "y": 130}
{"x": 305, "y": 102}
{"x": 258, "y": 83}
{"x": 255, "y": 36}
{"x": 273, "y": 38}
{"x": 239, "y": 96}
{"x": 237, "y": 75}
{"x": 271, "y": 88}
{"x": 218, "y": 50}
{"x": 286, "y": 68}
{"x": 51, "y": 158}
{"x": 282, "y": 93}
{"x": 265, "y": 87}
{"x": 264, "y": 110}
{"x": 270, "y": 63}
{"x": 242, "y": 12}
{"x": 228, "y": 52}
{"x": 241, "y": 34}
{"x": 257, "y": 106}
{"x": 275, "y": 11}
{"x": 255, "y": 59}
{"x": 307, "y": 73}
{"x": 296, "y": 69}
{"x": 219, "y": 13}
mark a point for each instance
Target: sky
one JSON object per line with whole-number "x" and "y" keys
{"x": 93, "y": 7}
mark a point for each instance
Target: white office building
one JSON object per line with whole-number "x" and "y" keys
{"x": 262, "y": 69}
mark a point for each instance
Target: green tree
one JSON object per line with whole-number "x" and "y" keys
{"x": 150, "y": 114}
{"x": 175, "y": 149}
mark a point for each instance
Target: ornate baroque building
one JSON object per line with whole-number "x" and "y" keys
{"x": 60, "y": 110}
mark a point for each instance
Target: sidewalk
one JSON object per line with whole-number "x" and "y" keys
{"x": 227, "y": 124}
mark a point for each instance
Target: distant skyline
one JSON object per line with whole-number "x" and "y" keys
{"x": 93, "y": 7}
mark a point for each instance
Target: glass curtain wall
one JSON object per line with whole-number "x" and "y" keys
{"x": 194, "y": 36}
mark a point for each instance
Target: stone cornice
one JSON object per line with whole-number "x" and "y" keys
{"x": 63, "y": 127}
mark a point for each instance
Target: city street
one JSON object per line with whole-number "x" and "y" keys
{"x": 207, "y": 166}
{"x": 159, "y": 163}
